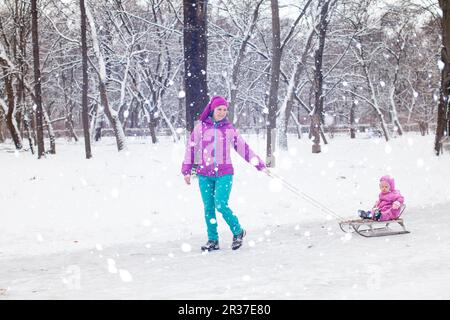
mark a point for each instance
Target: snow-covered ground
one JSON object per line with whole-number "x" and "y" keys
{"x": 125, "y": 226}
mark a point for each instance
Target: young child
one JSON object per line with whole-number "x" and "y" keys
{"x": 389, "y": 202}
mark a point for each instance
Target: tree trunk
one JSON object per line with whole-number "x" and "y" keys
{"x": 352, "y": 119}
{"x": 10, "y": 116}
{"x": 37, "y": 79}
{"x": 393, "y": 109}
{"x": 151, "y": 124}
{"x": 274, "y": 84}
{"x": 374, "y": 99}
{"x": 443, "y": 116}
{"x": 2, "y": 118}
{"x": 316, "y": 118}
{"x": 84, "y": 98}
{"x": 195, "y": 59}
{"x": 26, "y": 125}
{"x": 286, "y": 109}
{"x": 113, "y": 118}
{"x": 50, "y": 131}
{"x": 110, "y": 113}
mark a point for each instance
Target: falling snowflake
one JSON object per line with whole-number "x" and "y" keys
{"x": 186, "y": 247}
{"x": 111, "y": 266}
{"x": 125, "y": 275}
{"x": 246, "y": 278}
{"x": 39, "y": 237}
{"x": 420, "y": 163}
{"x": 388, "y": 148}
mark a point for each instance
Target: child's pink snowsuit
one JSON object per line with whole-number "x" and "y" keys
{"x": 387, "y": 199}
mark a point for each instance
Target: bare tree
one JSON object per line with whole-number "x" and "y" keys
{"x": 316, "y": 114}
{"x": 111, "y": 114}
{"x": 274, "y": 84}
{"x": 37, "y": 80}
{"x": 84, "y": 99}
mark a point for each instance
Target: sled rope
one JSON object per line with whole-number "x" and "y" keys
{"x": 306, "y": 197}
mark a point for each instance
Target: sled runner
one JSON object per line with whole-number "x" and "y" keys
{"x": 373, "y": 228}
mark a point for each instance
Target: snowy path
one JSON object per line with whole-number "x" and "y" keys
{"x": 285, "y": 264}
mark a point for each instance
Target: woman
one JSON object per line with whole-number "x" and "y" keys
{"x": 209, "y": 149}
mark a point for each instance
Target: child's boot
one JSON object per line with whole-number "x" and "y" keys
{"x": 365, "y": 214}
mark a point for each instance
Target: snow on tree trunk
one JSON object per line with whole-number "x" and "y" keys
{"x": 111, "y": 114}
{"x": 286, "y": 110}
{"x": 274, "y": 84}
{"x": 316, "y": 119}
{"x": 11, "y": 114}
{"x": 373, "y": 94}
{"x": 6, "y": 66}
{"x": 352, "y": 119}
{"x": 3, "y": 108}
{"x": 395, "y": 120}
{"x": 85, "y": 87}
{"x": 37, "y": 80}
{"x": 166, "y": 119}
{"x": 51, "y": 132}
{"x": 26, "y": 124}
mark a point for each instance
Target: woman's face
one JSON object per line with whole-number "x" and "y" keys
{"x": 384, "y": 187}
{"x": 220, "y": 112}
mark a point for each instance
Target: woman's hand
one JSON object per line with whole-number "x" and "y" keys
{"x": 187, "y": 179}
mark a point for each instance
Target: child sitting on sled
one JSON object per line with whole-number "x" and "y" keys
{"x": 388, "y": 206}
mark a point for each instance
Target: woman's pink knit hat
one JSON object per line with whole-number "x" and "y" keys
{"x": 213, "y": 103}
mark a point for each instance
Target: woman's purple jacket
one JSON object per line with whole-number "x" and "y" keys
{"x": 209, "y": 149}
